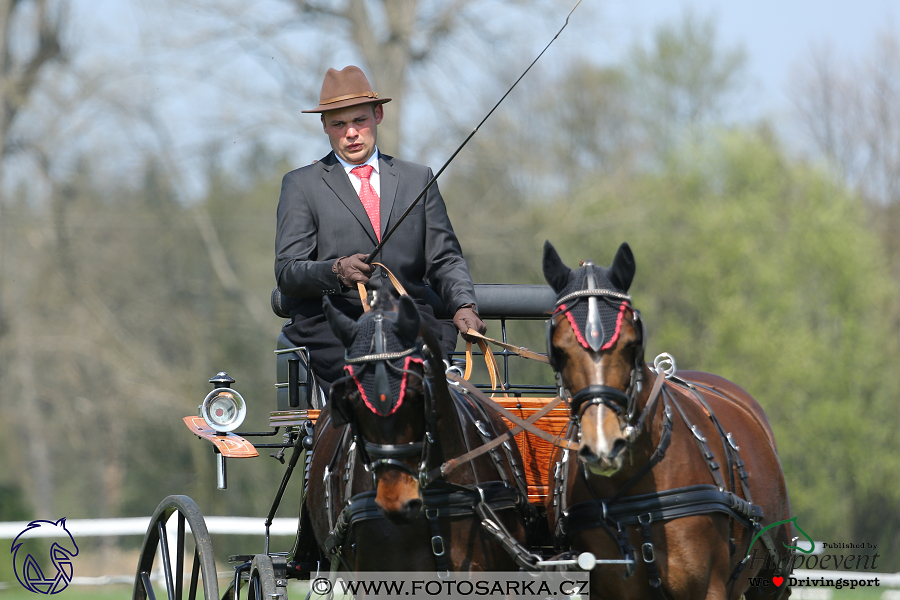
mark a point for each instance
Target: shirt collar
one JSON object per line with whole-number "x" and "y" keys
{"x": 373, "y": 160}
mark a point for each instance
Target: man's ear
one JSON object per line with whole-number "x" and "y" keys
{"x": 379, "y": 114}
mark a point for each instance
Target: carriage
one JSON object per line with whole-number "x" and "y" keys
{"x": 674, "y": 529}
{"x": 296, "y": 410}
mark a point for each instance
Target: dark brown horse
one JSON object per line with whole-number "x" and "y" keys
{"x": 679, "y": 474}
{"x": 376, "y": 499}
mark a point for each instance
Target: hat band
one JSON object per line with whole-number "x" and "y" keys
{"x": 372, "y": 95}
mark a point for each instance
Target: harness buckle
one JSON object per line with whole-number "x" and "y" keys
{"x": 696, "y": 433}
{"x": 732, "y": 443}
{"x": 647, "y": 552}
{"x": 437, "y": 545}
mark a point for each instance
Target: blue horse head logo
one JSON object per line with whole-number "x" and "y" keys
{"x": 28, "y": 568}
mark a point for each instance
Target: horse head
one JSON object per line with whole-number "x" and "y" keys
{"x": 595, "y": 344}
{"x": 384, "y": 398}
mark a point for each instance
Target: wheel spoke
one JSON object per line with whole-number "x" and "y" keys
{"x": 165, "y": 558}
{"x": 195, "y": 573}
{"x": 179, "y": 558}
{"x": 157, "y": 555}
{"x": 148, "y": 586}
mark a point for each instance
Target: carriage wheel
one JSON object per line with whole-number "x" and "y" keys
{"x": 263, "y": 584}
{"x": 156, "y": 541}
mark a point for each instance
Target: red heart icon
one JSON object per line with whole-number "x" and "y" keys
{"x": 778, "y": 581}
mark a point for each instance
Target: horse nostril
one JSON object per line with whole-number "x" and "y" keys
{"x": 412, "y": 508}
{"x": 618, "y": 446}
{"x": 586, "y": 454}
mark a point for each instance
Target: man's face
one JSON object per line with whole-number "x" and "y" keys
{"x": 352, "y": 131}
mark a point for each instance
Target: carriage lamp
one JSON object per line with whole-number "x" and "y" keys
{"x": 223, "y": 409}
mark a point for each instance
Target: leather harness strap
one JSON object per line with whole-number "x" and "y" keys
{"x": 512, "y": 417}
{"x": 518, "y": 350}
{"x": 489, "y": 361}
{"x": 364, "y": 295}
{"x": 453, "y": 463}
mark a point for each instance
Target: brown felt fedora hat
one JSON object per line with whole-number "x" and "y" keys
{"x": 347, "y": 87}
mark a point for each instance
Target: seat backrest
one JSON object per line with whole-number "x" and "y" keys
{"x": 285, "y": 354}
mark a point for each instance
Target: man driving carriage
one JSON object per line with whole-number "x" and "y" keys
{"x": 332, "y": 213}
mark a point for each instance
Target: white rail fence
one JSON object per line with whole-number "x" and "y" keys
{"x": 80, "y": 528}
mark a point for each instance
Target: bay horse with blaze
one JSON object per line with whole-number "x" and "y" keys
{"x": 376, "y": 498}
{"x": 677, "y": 472}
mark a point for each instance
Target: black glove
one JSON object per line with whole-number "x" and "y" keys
{"x": 351, "y": 270}
{"x": 466, "y": 318}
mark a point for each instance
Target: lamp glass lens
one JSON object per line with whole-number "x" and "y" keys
{"x": 223, "y": 409}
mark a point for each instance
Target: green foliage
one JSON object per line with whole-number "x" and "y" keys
{"x": 764, "y": 271}
{"x": 121, "y": 322}
{"x": 751, "y": 265}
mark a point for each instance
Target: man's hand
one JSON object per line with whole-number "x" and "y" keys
{"x": 351, "y": 270}
{"x": 466, "y": 318}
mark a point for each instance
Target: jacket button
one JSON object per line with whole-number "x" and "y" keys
{"x": 384, "y": 275}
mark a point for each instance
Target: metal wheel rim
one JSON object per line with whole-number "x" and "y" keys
{"x": 203, "y": 567}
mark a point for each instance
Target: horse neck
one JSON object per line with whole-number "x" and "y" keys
{"x": 449, "y": 434}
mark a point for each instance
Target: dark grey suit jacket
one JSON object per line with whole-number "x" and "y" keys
{"x": 321, "y": 219}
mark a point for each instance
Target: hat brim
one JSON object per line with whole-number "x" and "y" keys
{"x": 346, "y": 104}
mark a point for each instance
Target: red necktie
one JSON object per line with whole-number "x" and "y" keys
{"x": 368, "y": 197}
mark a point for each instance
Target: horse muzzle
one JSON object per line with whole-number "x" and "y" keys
{"x": 398, "y": 496}
{"x": 603, "y": 446}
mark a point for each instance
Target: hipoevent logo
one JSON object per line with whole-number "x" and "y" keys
{"x": 800, "y": 557}
{"x": 44, "y": 574}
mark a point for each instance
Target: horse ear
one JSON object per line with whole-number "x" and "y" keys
{"x": 343, "y": 327}
{"x": 555, "y": 271}
{"x": 621, "y": 271}
{"x": 408, "y": 319}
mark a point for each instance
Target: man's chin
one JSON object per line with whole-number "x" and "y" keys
{"x": 356, "y": 158}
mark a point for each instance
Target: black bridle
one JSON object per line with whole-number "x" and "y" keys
{"x": 375, "y": 455}
{"x": 622, "y": 403}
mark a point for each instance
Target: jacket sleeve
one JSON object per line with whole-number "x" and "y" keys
{"x": 447, "y": 271}
{"x": 298, "y": 272}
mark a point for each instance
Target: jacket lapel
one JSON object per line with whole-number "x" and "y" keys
{"x": 339, "y": 182}
{"x": 390, "y": 179}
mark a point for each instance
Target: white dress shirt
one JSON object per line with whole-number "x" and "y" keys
{"x": 374, "y": 179}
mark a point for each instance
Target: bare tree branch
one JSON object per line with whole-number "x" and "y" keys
{"x": 18, "y": 81}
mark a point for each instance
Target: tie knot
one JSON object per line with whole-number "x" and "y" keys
{"x": 363, "y": 171}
